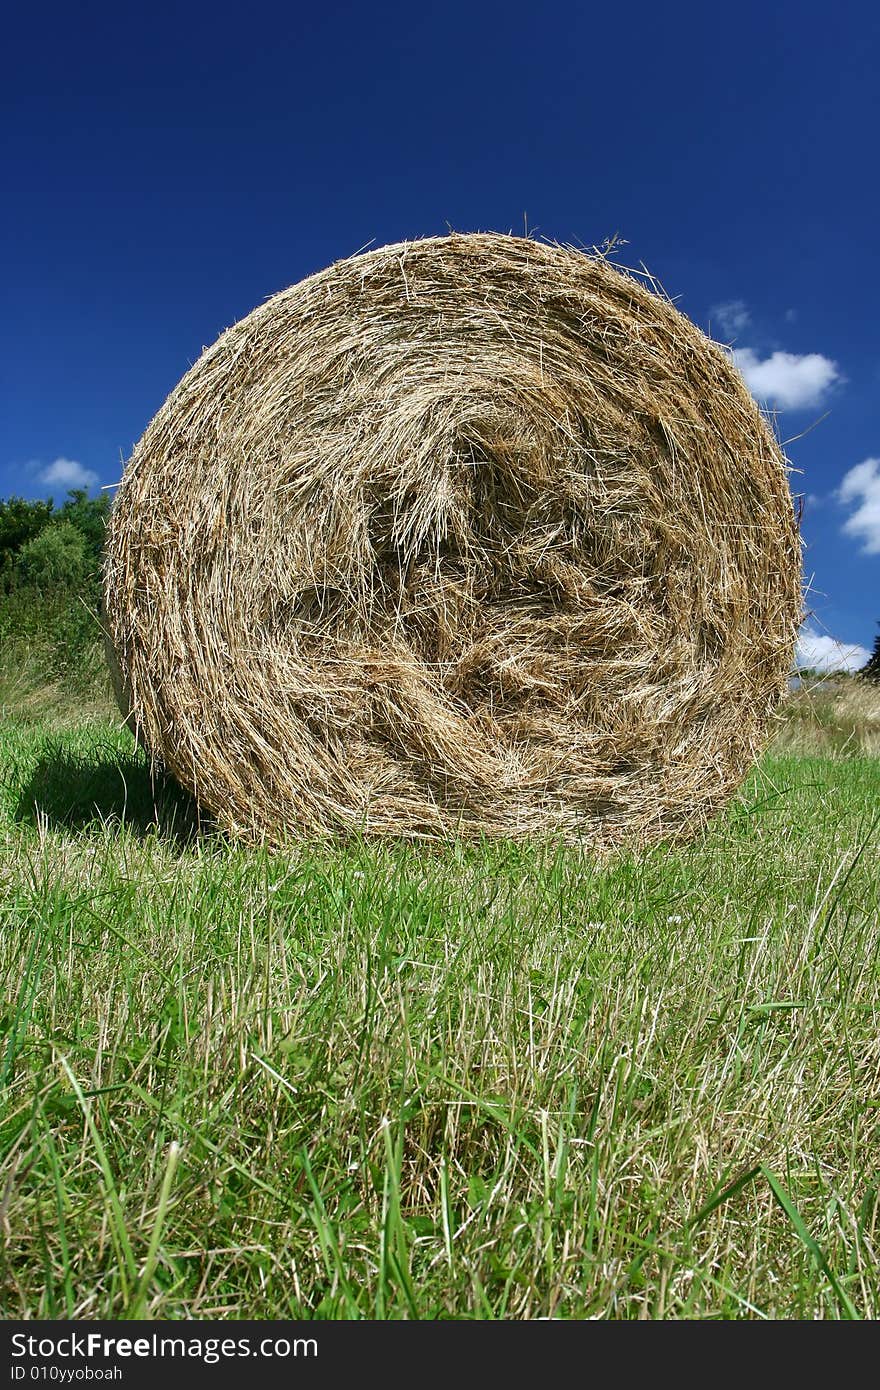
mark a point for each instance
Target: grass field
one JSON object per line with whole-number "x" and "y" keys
{"x": 493, "y": 1082}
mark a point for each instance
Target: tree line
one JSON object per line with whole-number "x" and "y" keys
{"x": 50, "y": 584}
{"x": 44, "y": 547}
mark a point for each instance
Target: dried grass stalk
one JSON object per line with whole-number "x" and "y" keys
{"x": 468, "y": 535}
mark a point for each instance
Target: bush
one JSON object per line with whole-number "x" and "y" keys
{"x": 57, "y": 558}
{"x": 50, "y": 580}
{"x": 20, "y": 522}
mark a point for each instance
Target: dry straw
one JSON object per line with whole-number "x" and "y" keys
{"x": 471, "y": 535}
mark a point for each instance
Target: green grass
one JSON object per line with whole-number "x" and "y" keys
{"x": 491, "y": 1082}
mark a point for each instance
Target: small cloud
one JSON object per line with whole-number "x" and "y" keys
{"x": 818, "y": 652}
{"x": 862, "y": 485}
{"x": 67, "y": 473}
{"x": 786, "y": 379}
{"x": 731, "y": 317}
{"x": 791, "y": 316}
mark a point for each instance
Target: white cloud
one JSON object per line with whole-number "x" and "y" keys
{"x": 67, "y": 473}
{"x": 786, "y": 379}
{"x": 862, "y": 484}
{"x": 819, "y": 652}
{"x": 731, "y": 317}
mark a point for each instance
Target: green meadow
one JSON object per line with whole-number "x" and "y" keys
{"x": 502, "y": 1081}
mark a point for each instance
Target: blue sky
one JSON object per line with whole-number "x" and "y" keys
{"x": 166, "y": 167}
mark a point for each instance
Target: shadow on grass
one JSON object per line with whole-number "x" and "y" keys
{"x": 77, "y": 791}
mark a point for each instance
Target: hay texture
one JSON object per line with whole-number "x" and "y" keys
{"x": 469, "y": 535}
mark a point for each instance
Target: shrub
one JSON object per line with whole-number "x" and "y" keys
{"x": 57, "y": 558}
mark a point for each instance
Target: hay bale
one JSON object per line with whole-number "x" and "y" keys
{"x": 470, "y": 534}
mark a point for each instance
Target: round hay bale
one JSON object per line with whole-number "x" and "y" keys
{"x": 468, "y": 535}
